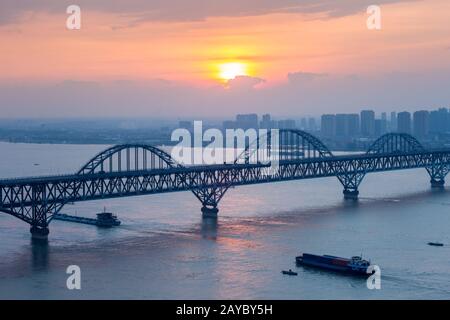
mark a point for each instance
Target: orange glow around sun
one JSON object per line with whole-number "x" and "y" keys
{"x": 219, "y": 48}
{"x": 231, "y": 70}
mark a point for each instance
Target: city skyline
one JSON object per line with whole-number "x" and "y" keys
{"x": 364, "y": 124}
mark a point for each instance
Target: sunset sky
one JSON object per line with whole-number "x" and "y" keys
{"x": 199, "y": 58}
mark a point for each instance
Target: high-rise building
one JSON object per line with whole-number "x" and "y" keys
{"x": 384, "y": 123}
{"x": 421, "y": 123}
{"x": 304, "y": 124}
{"x": 353, "y": 125}
{"x": 247, "y": 121}
{"x": 367, "y": 123}
{"x": 347, "y": 125}
{"x": 380, "y": 127}
{"x": 286, "y": 124}
{"x": 439, "y": 120}
{"x": 328, "y": 125}
{"x": 312, "y": 124}
{"x": 229, "y": 124}
{"x": 404, "y": 122}
{"x": 341, "y": 125}
{"x": 435, "y": 120}
{"x": 267, "y": 122}
{"x": 266, "y": 117}
{"x": 393, "y": 123}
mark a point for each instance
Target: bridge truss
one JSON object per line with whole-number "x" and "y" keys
{"x": 132, "y": 170}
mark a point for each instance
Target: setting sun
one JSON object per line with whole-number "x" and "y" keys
{"x": 231, "y": 70}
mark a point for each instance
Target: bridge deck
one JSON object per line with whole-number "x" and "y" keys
{"x": 132, "y": 170}
{"x": 200, "y": 168}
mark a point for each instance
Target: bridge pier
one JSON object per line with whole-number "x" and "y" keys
{"x": 39, "y": 233}
{"x": 209, "y": 212}
{"x": 351, "y": 182}
{"x": 210, "y": 197}
{"x": 351, "y": 194}
{"x": 437, "y": 183}
{"x": 437, "y": 174}
{"x": 39, "y": 215}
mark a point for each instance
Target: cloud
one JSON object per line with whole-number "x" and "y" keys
{"x": 302, "y": 77}
{"x": 187, "y": 10}
{"x": 244, "y": 83}
{"x": 159, "y": 98}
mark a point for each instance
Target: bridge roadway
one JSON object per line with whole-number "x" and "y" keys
{"x": 35, "y": 199}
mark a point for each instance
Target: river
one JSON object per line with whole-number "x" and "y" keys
{"x": 164, "y": 250}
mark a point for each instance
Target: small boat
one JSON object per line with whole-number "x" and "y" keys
{"x": 289, "y": 272}
{"x": 107, "y": 219}
{"x": 355, "y": 265}
{"x": 435, "y": 244}
{"x": 104, "y": 219}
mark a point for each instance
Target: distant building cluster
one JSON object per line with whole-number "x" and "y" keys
{"x": 251, "y": 121}
{"x": 422, "y": 124}
{"x": 364, "y": 124}
{"x": 354, "y": 131}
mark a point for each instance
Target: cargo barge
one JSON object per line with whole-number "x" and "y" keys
{"x": 355, "y": 265}
{"x": 104, "y": 219}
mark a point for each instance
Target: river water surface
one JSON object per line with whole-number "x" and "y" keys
{"x": 163, "y": 249}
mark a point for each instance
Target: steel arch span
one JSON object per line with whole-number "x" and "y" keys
{"x": 289, "y": 144}
{"x": 281, "y": 145}
{"x": 405, "y": 143}
{"x": 136, "y": 157}
{"x": 390, "y": 143}
{"x": 298, "y": 144}
{"x": 128, "y": 157}
{"x": 394, "y": 143}
{"x": 119, "y": 158}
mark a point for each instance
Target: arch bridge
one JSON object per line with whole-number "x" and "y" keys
{"x": 138, "y": 169}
